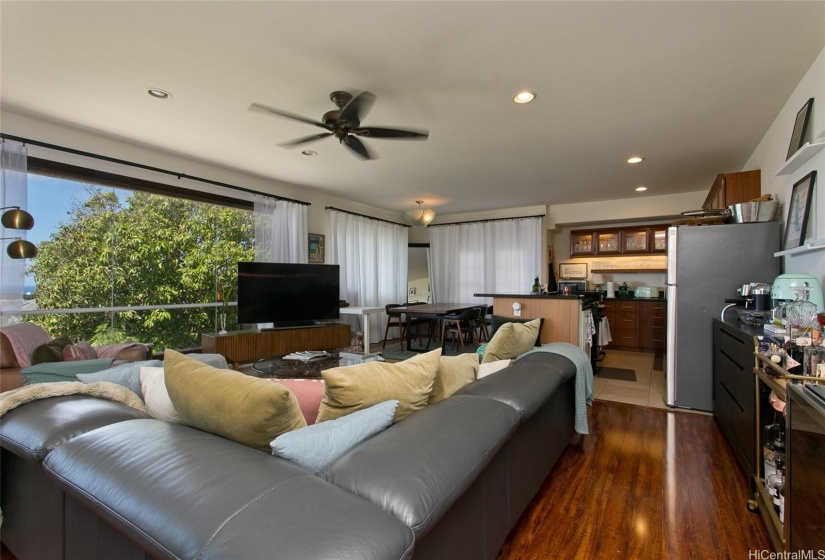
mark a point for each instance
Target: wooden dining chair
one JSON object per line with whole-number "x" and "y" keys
{"x": 394, "y": 321}
{"x": 460, "y": 324}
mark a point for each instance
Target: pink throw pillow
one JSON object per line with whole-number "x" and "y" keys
{"x": 80, "y": 351}
{"x": 309, "y": 393}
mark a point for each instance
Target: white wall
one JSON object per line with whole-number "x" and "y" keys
{"x": 53, "y": 132}
{"x": 770, "y": 157}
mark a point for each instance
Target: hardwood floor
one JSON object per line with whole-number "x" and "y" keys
{"x": 647, "y": 483}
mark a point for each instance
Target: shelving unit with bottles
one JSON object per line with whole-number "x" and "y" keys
{"x": 770, "y": 377}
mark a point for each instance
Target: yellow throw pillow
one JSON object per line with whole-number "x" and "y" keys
{"x": 239, "y": 407}
{"x": 511, "y": 340}
{"x": 357, "y": 387}
{"x": 454, "y": 372}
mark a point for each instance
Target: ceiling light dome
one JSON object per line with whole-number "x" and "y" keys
{"x": 417, "y": 216}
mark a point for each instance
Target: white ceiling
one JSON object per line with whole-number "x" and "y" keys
{"x": 690, "y": 86}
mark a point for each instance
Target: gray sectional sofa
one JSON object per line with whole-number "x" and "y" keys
{"x": 88, "y": 478}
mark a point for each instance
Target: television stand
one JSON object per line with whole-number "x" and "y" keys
{"x": 287, "y": 327}
{"x": 244, "y": 347}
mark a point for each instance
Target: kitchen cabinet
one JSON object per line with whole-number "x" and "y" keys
{"x": 652, "y": 324}
{"x": 733, "y": 188}
{"x": 734, "y": 392}
{"x": 635, "y": 240}
{"x": 636, "y": 324}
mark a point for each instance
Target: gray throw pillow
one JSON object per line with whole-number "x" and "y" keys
{"x": 319, "y": 445}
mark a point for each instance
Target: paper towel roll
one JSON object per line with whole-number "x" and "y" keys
{"x": 611, "y": 289}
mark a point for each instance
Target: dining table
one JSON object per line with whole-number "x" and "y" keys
{"x": 433, "y": 311}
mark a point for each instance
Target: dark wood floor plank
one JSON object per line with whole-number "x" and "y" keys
{"x": 646, "y": 483}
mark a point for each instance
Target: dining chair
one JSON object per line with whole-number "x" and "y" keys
{"x": 394, "y": 321}
{"x": 460, "y": 324}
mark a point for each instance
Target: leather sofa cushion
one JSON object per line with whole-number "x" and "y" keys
{"x": 183, "y": 493}
{"x": 419, "y": 467}
{"x": 526, "y": 384}
{"x": 36, "y": 428}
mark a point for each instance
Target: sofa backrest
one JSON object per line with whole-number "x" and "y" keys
{"x": 17, "y": 342}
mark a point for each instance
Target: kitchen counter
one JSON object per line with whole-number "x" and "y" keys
{"x": 549, "y": 295}
{"x": 732, "y": 320}
{"x": 635, "y": 299}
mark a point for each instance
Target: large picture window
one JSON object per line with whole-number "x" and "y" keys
{"x": 162, "y": 265}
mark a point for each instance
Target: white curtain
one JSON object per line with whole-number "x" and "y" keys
{"x": 281, "y": 231}
{"x": 498, "y": 256}
{"x": 372, "y": 255}
{"x": 13, "y": 192}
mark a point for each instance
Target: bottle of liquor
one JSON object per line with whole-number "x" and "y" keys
{"x": 536, "y": 287}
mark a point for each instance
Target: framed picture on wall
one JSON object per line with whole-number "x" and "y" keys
{"x": 316, "y": 248}
{"x": 800, "y": 128}
{"x": 798, "y": 209}
{"x": 573, "y": 271}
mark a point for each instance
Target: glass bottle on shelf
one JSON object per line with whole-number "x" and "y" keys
{"x": 536, "y": 287}
{"x": 769, "y": 452}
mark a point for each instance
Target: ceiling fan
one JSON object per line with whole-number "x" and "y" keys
{"x": 345, "y": 123}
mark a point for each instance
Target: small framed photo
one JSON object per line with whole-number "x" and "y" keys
{"x": 316, "y": 248}
{"x": 800, "y": 128}
{"x": 573, "y": 271}
{"x": 412, "y": 291}
{"x": 798, "y": 209}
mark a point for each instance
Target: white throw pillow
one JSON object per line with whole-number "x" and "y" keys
{"x": 158, "y": 403}
{"x": 491, "y": 367}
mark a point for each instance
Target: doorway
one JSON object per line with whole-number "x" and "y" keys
{"x": 418, "y": 273}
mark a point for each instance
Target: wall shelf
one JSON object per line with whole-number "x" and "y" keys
{"x": 802, "y": 155}
{"x": 813, "y": 245}
{"x": 626, "y": 270}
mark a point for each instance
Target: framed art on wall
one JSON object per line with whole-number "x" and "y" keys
{"x": 798, "y": 209}
{"x": 574, "y": 271}
{"x": 800, "y": 128}
{"x": 316, "y": 248}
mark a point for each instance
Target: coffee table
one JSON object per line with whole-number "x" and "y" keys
{"x": 277, "y": 366}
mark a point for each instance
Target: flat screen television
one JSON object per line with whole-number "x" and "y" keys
{"x": 287, "y": 295}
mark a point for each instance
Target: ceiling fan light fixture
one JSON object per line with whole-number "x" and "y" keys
{"x": 641, "y": 189}
{"x": 417, "y": 216}
{"x": 524, "y": 97}
{"x": 634, "y": 159}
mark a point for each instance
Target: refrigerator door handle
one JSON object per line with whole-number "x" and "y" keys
{"x": 672, "y": 254}
{"x": 670, "y": 346}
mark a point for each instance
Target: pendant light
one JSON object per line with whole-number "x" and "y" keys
{"x": 419, "y": 217}
{"x": 16, "y": 218}
{"x": 20, "y": 248}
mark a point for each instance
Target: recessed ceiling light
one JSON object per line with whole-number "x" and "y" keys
{"x": 634, "y": 159}
{"x": 641, "y": 189}
{"x": 524, "y": 97}
{"x": 159, "y": 93}
{"x": 310, "y": 153}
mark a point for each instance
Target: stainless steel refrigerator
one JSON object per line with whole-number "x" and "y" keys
{"x": 705, "y": 265}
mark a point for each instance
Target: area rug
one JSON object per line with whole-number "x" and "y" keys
{"x": 619, "y": 374}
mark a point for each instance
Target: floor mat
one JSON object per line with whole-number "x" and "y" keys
{"x": 619, "y": 374}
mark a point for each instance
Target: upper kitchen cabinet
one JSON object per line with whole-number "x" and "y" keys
{"x": 608, "y": 241}
{"x": 581, "y": 243}
{"x": 632, "y": 240}
{"x": 733, "y": 188}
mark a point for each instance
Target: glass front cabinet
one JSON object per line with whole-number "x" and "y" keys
{"x": 633, "y": 240}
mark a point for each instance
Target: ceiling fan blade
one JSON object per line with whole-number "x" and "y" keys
{"x": 357, "y": 146}
{"x": 392, "y": 133}
{"x": 305, "y": 139}
{"x": 358, "y": 107}
{"x": 287, "y": 114}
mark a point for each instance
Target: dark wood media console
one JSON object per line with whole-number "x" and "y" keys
{"x": 243, "y": 347}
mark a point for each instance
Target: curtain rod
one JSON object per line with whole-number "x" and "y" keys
{"x": 489, "y": 220}
{"x": 142, "y": 166}
{"x": 365, "y": 216}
